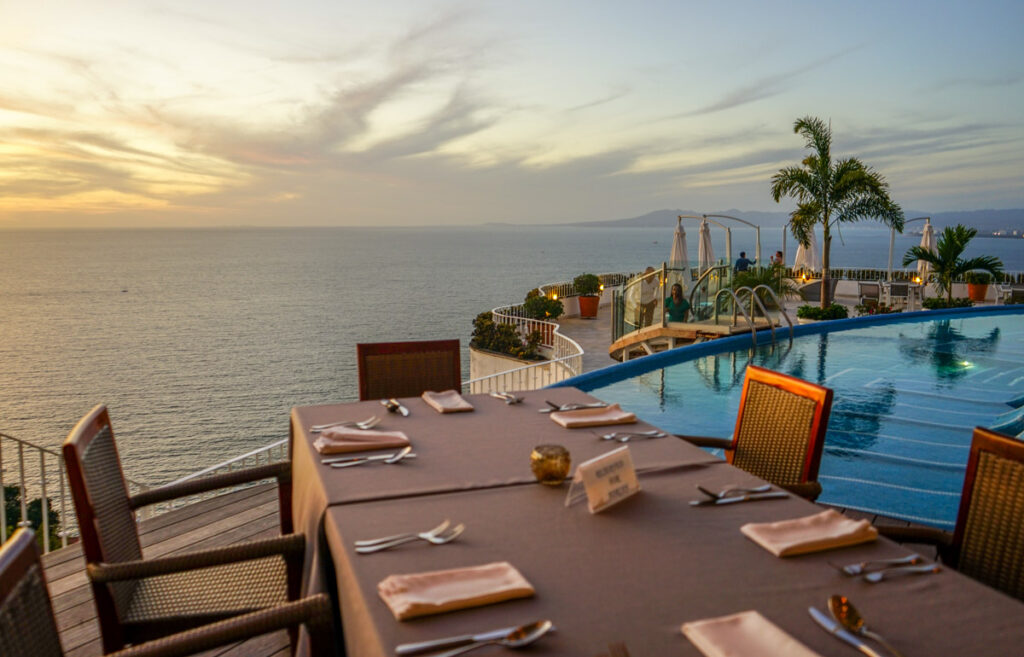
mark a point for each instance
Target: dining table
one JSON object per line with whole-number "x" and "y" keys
{"x": 632, "y": 574}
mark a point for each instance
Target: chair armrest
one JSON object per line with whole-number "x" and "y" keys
{"x": 809, "y": 490}
{"x": 707, "y": 441}
{"x": 929, "y": 535}
{"x": 291, "y": 544}
{"x": 314, "y": 612}
{"x": 281, "y": 471}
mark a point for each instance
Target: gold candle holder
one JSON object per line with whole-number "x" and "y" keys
{"x": 550, "y": 464}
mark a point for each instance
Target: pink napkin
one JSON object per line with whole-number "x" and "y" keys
{"x": 449, "y": 401}
{"x": 593, "y": 417}
{"x": 339, "y": 440}
{"x": 821, "y": 531}
{"x": 746, "y": 634}
{"x": 422, "y": 594}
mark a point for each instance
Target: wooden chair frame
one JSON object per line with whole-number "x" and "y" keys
{"x": 20, "y": 553}
{"x": 103, "y": 570}
{"x": 367, "y": 351}
{"x": 807, "y": 485}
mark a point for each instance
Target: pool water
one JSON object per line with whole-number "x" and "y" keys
{"x": 907, "y": 394}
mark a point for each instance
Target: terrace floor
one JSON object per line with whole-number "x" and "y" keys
{"x": 238, "y": 516}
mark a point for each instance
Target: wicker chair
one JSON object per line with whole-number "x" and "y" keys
{"x": 988, "y": 540}
{"x": 28, "y": 627}
{"x": 780, "y": 430}
{"x": 139, "y": 600}
{"x": 407, "y": 369}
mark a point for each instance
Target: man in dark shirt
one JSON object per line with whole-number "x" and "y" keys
{"x": 742, "y": 264}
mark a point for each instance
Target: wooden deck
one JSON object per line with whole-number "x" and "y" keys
{"x": 239, "y": 516}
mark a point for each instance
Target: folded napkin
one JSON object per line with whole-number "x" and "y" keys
{"x": 746, "y": 634}
{"x": 593, "y": 417}
{"x": 422, "y": 594}
{"x": 822, "y": 531}
{"x": 339, "y": 440}
{"x": 449, "y": 401}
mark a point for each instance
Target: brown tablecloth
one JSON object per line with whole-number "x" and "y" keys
{"x": 486, "y": 448}
{"x": 636, "y": 572}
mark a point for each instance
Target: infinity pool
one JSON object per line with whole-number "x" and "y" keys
{"x": 909, "y": 389}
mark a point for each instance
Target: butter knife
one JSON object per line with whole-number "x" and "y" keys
{"x": 836, "y": 630}
{"x": 452, "y": 641}
{"x": 749, "y": 497}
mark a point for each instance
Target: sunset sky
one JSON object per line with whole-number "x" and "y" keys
{"x": 335, "y": 112}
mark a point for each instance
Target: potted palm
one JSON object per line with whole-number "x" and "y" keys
{"x": 588, "y": 286}
{"x": 977, "y": 284}
{"x": 946, "y": 261}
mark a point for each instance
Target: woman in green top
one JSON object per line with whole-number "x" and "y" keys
{"x": 675, "y": 305}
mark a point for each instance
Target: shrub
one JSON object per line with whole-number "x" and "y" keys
{"x": 875, "y": 309}
{"x": 503, "y": 338}
{"x": 539, "y": 306}
{"x": 937, "y": 303}
{"x": 587, "y": 285}
{"x": 978, "y": 278}
{"x": 832, "y": 311}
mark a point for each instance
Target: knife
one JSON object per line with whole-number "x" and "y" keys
{"x": 452, "y": 641}
{"x": 369, "y": 459}
{"x": 749, "y": 497}
{"x": 571, "y": 407}
{"x": 836, "y": 630}
{"x": 394, "y": 405}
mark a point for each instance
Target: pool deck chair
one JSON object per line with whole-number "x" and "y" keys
{"x": 139, "y": 600}
{"x": 28, "y": 627}
{"x": 988, "y": 540}
{"x": 869, "y": 294}
{"x": 780, "y": 430}
{"x": 407, "y": 369}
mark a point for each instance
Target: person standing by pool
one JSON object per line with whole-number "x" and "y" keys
{"x": 676, "y": 306}
{"x": 742, "y": 263}
{"x": 777, "y": 259}
{"x": 648, "y": 297}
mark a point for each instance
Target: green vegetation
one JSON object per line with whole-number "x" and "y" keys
{"x": 977, "y": 278}
{"x": 832, "y": 311}
{"x": 587, "y": 285}
{"x": 938, "y": 303}
{"x": 829, "y": 193}
{"x": 773, "y": 277}
{"x": 947, "y": 263}
{"x": 538, "y": 306}
{"x": 875, "y": 309}
{"x": 504, "y": 338}
{"x": 12, "y": 511}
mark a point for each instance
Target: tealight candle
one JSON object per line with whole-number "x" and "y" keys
{"x": 550, "y": 464}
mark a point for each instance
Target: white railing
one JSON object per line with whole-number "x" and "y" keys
{"x": 34, "y": 476}
{"x": 565, "y": 355}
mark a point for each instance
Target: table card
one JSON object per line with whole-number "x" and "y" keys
{"x": 606, "y": 480}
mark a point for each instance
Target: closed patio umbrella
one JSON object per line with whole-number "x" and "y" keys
{"x": 928, "y": 244}
{"x": 678, "y": 259}
{"x": 705, "y": 253}
{"x": 807, "y": 258}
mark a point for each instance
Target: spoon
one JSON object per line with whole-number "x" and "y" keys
{"x": 848, "y": 616}
{"x": 520, "y": 637}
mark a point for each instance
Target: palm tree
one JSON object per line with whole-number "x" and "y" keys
{"x": 828, "y": 193}
{"x": 946, "y": 262}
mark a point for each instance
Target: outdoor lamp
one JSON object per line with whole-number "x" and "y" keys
{"x": 554, "y": 296}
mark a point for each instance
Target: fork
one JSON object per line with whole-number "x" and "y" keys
{"x": 433, "y": 539}
{"x": 368, "y": 423}
{"x": 387, "y": 539}
{"x": 625, "y": 436}
{"x": 854, "y": 569}
{"x": 729, "y": 492}
{"x": 920, "y": 569}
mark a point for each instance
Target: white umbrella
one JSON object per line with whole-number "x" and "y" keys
{"x": 679, "y": 259}
{"x": 807, "y": 258}
{"x": 928, "y": 244}
{"x": 705, "y": 253}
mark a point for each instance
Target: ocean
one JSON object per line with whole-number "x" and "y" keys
{"x": 200, "y": 341}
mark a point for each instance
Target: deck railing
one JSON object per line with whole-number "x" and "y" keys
{"x": 565, "y": 355}
{"x": 34, "y": 490}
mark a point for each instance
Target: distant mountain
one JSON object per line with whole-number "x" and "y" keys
{"x": 983, "y": 220}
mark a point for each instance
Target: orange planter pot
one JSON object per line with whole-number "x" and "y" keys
{"x": 977, "y": 292}
{"x": 588, "y": 307}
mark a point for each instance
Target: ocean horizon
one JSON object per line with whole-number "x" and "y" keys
{"x": 201, "y": 340}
